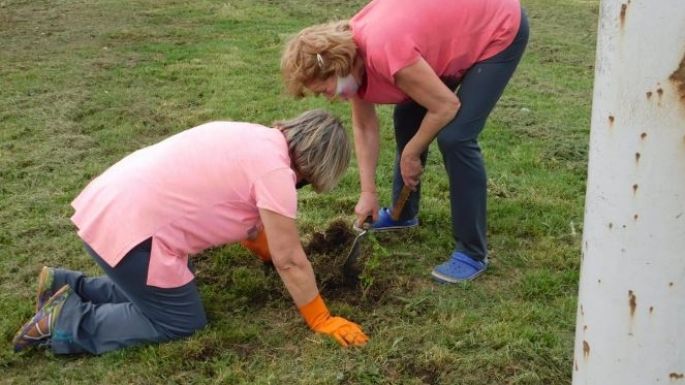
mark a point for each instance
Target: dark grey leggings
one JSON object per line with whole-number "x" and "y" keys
{"x": 479, "y": 89}
{"x": 119, "y": 309}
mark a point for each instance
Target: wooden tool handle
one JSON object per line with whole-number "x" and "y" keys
{"x": 399, "y": 204}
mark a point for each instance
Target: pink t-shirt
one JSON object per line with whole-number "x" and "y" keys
{"x": 451, "y": 35}
{"x": 200, "y": 188}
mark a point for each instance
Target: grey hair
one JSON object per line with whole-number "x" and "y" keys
{"x": 319, "y": 147}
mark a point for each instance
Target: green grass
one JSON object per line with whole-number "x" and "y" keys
{"x": 85, "y": 83}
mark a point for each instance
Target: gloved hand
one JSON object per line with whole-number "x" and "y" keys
{"x": 258, "y": 246}
{"x": 319, "y": 320}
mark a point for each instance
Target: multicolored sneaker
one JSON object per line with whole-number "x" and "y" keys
{"x": 385, "y": 222}
{"x": 44, "y": 292}
{"x": 460, "y": 267}
{"x": 39, "y": 329}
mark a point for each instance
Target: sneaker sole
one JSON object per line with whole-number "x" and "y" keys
{"x": 447, "y": 279}
{"x": 394, "y": 228}
{"x": 19, "y": 341}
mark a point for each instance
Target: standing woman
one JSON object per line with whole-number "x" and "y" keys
{"x": 217, "y": 183}
{"x": 415, "y": 55}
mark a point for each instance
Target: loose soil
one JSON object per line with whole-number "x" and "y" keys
{"x": 328, "y": 251}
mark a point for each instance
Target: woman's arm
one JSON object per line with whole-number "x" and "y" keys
{"x": 366, "y": 145}
{"x": 297, "y": 274}
{"x": 423, "y": 85}
{"x": 288, "y": 256}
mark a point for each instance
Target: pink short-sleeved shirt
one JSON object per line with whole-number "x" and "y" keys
{"x": 451, "y": 35}
{"x": 200, "y": 188}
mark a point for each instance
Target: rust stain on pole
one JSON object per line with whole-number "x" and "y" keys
{"x": 635, "y": 187}
{"x": 637, "y": 157}
{"x": 622, "y": 16}
{"x": 651, "y": 309}
{"x": 586, "y": 349}
{"x": 632, "y": 302}
{"x": 678, "y": 78}
{"x": 649, "y": 94}
{"x": 635, "y": 216}
{"x": 611, "y": 120}
{"x": 643, "y": 135}
{"x": 676, "y": 376}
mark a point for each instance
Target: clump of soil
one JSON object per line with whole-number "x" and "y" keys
{"x": 245, "y": 286}
{"x": 365, "y": 283}
{"x": 334, "y": 239}
{"x": 327, "y": 252}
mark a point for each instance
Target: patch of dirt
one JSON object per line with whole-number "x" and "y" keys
{"x": 369, "y": 285}
{"x": 375, "y": 282}
{"x": 328, "y": 251}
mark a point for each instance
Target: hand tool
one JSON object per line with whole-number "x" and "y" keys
{"x": 350, "y": 269}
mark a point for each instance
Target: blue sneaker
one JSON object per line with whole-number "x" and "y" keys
{"x": 385, "y": 222}
{"x": 460, "y": 267}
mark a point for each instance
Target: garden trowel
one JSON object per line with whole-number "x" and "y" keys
{"x": 351, "y": 270}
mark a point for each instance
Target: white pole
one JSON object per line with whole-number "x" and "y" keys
{"x": 630, "y": 325}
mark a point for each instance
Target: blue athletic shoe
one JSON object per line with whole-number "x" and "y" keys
{"x": 460, "y": 267}
{"x": 385, "y": 222}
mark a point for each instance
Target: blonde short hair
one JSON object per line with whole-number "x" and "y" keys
{"x": 317, "y": 53}
{"x": 319, "y": 147}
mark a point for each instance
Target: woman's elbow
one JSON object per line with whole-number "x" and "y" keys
{"x": 451, "y": 107}
{"x": 445, "y": 113}
{"x": 289, "y": 261}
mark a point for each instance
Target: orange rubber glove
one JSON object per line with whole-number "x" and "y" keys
{"x": 319, "y": 320}
{"x": 258, "y": 246}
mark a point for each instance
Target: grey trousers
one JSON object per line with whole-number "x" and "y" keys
{"x": 479, "y": 89}
{"x": 119, "y": 309}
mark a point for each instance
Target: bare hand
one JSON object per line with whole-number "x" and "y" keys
{"x": 367, "y": 206}
{"x": 411, "y": 169}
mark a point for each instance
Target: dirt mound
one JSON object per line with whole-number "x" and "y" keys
{"x": 328, "y": 251}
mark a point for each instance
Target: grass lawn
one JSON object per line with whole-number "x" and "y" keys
{"x": 84, "y": 83}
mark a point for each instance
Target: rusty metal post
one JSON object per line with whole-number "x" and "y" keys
{"x": 630, "y": 327}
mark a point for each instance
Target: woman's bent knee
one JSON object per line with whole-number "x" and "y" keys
{"x": 453, "y": 144}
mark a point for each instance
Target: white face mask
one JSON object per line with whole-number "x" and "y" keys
{"x": 347, "y": 86}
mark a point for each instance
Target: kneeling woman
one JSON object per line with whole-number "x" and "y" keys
{"x": 218, "y": 183}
